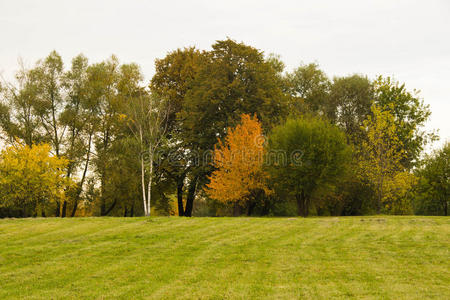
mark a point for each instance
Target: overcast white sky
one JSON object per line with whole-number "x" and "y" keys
{"x": 409, "y": 40}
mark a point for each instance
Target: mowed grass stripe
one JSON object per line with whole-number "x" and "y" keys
{"x": 216, "y": 258}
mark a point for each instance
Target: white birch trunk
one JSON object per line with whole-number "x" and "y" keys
{"x": 143, "y": 184}
{"x": 150, "y": 181}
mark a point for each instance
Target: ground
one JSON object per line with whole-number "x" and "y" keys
{"x": 217, "y": 258}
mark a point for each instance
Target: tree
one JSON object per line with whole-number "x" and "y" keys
{"x": 106, "y": 116}
{"x": 236, "y": 79}
{"x": 238, "y": 158}
{"x": 122, "y": 185}
{"x": 305, "y": 155}
{"x": 148, "y": 120}
{"x": 433, "y": 190}
{"x": 77, "y": 118}
{"x": 174, "y": 77}
{"x": 309, "y": 88}
{"x": 31, "y": 178}
{"x": 49, "y": 102}
{"x": 18, "y": 119}
{"x": 381, "y": 158}
{"x": 48, "y": 105}
{"x": 409, "y": 113}
{"x": 350, "y": 101}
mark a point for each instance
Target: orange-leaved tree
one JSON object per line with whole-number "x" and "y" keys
{"x": 239, "y": 177}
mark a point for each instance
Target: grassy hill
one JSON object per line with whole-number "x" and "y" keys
{"x": 361, "y": 257}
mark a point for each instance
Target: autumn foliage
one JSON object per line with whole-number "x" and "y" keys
{"x": 31, "y": 178}
{"x": 239, "y": 177}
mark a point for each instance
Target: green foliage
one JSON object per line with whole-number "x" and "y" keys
{"x": 18, "y": 119}
{"x": 102, "y": 117}
{"x": 314, "y": 154}
{"x": 309, "y": 87}
{"x": 211, "y": 90}
{"x": 410, "y": 115}
{"x": 432, "y": 195}
{"x": 380, "y": 162}
{"x": 235, "y": 80}
{"x": 351, "y": 97}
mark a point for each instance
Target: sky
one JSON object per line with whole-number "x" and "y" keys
{"x": 409, "y": 40}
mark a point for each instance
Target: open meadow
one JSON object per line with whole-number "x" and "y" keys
{"x": 216, "y": 258}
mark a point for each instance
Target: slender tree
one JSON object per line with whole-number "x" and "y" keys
{"x": 148, "y": 120}
{"x": 381, "y": 156}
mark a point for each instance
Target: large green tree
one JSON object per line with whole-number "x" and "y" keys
{"x": 219, "y": 86}
{"x": 236, "y": 79}
{"x": 306, "y": 155}
{"x": 174, "y": 77}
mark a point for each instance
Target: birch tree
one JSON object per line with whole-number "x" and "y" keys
{"x": 148, "y": 120}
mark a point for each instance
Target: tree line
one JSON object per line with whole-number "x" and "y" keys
{"x": 220, "y": 132}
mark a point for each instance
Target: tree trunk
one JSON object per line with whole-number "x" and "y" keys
{"x": 149, "y": 187}
{"x": 306, "y": 206}
{"x": 302, "y": 204}
{"x": 110, "y": 208}
{"x": 58, "y": 208}
{"x": 251, "y": 206}
{"x": 190, "y": 197}
{"x": 132, "y": 210}
{"x": 446, "y": 208}
{"x": 102, "y": 199}
{"x": 180, "y": 185}
{"x": 143, "y": 185}
{"x": 64, "y": 207}
{"x": 236, "y": 210}
{"x": 299, "y": 204}
{"x": 83, "y": 178}
{"x": 75, "y": 206}
{"x": 125, "y": 211}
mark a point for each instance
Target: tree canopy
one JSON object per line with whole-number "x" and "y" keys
{"x": 337, "y": 145}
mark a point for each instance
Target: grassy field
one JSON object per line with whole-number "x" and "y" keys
{"x": 204, "y": 258}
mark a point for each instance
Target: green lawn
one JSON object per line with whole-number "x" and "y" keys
{"x": 204, "y": 258}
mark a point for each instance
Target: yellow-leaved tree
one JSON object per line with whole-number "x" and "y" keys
{"x": 380, "y": 162}
{"x": 31, "y": 178}
{"x": 239, "y": 176}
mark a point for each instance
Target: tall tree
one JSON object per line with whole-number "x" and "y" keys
{"x": 106, "y": 109}
{"x": 174, "y": 77}
{"x": 49, "y": 102}
{"x": 236, "y": 79}
{"x": 148, "y": 120}
{"x": 77, "y": 120}
{"x": 381, "y": 156}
